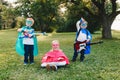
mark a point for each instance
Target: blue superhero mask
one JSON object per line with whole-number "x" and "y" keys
{"x": 84, "y": 24}
{"x": 29, "y": 22}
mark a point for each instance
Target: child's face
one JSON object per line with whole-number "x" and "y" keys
{"x": 83, "y": 25}
{"x": 29, "y": 23}
{"x": 55, "y": 46}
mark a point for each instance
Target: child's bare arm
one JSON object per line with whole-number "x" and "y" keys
{"x": 19, "y": 30}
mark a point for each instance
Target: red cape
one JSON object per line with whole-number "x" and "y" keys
{"x": 55, "y": 56}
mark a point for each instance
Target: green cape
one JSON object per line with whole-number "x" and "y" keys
{"x": 20, "y": 46}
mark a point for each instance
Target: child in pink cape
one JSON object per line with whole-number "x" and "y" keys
{"x": 55, "y": 57}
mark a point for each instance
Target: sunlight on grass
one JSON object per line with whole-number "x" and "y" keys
{"x": 101, "y": 64}
{"x": 43, "y": 37}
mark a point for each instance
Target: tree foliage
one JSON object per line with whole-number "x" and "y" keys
{"x": 7, "y": 17}
{"x": 75, "y": 10}
{"x": 2, "y": 8}
{"x": 103, "y": 12}
{"x": 107, "y": 11}
{"x": 63, "y": 14}
{"x": 44, "y": 12}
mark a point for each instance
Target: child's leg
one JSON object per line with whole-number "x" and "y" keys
{"x": 63, "y": 63}
{"x": 31, "y": 55}
{"x": 75, "y": 54}
{"x": 26, "y": 49}
{"x": 47, "y": 63}
{"x": 82, "y": 56}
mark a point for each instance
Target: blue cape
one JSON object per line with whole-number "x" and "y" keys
{"x": 88, "y": 47}
{"x": 20, "y": 46}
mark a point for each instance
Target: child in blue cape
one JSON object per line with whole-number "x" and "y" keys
{"x": 27, "y": 43}
{"x": 83, "y": 37}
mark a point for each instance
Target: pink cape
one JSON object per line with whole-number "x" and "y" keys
{"x": 55, "y": 56}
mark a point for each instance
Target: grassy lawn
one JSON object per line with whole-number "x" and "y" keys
{"x": 102, "y": 64}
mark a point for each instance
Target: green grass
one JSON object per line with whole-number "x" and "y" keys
{"x": 102, "y": 64}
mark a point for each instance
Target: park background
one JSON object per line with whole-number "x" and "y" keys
{"x": 58, "y": 19}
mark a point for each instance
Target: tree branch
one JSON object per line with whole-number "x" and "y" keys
{"x": 100, "y": 5}
{"x": 86, "y": 9}
{"x": 114, "y": 6}
{"x": 113, "y": 15}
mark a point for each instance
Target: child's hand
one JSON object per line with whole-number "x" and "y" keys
{"x": 88, "y": 40}
{"x": 45, "y": 57}
{"x": 26, "y": 34}
{"x": 19, "y": 30}
{"x": 60, "y": 58}
{"x": 29, "y": 35}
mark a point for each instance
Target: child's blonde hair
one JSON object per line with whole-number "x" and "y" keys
{"x": 55, "y": 41}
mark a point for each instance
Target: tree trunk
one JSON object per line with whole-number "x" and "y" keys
{"x": 106, "y": 31}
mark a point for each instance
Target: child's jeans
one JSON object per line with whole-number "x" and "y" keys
{"x": 28, "y": 53}
{"x": 76, "y": 54}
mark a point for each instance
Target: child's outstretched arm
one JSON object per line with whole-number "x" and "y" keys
{"x": 19, "y": 30}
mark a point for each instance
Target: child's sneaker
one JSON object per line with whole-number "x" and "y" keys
{"x": 54, "y": 67}
{"x": 25, "y": 63}
{"x": 48, "y": 67}
{"x": 32, "y": 63}
{"x": 73, "y": 60}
